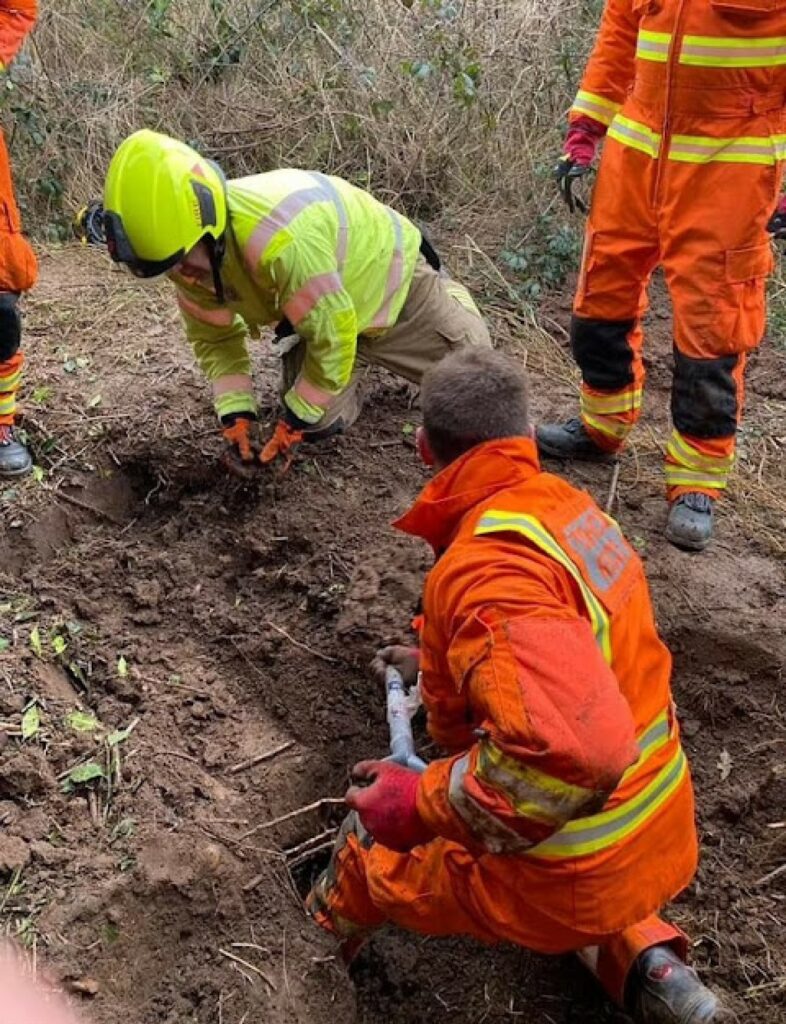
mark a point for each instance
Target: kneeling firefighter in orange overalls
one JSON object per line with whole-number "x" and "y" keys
{"x": 690, "y": 96}
{"x": 562, "y": 816}
{"x": 18, "y": 269}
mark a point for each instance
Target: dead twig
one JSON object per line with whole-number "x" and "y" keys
{"x": 85, "y": 507}
{"x": 252, "y": 883}
{"x": 771, "y": 875}
{"x": 176, "y": 753}
{"x": 268, "y": 755}
{"x": 302, "y": 646}
{"x": 308, "y": 854}
{"x": 326, "y": 801}
{"x": 615, "y": 476}
{"x": 249, "y": 967}
{"x": 315, "y": 841}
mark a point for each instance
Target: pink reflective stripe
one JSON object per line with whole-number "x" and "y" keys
{"x": 682, "y": 147}
{"x": 232, "y": 382}
{"x": 723, "y": 149}
{"x": 303, "y": 301}
{"x": 652, "y": 47}
{"x": 312, "y": 394}
{"x": 214, "y": 317}
{"x": 698, "y": 50}
{"x": 395, "y": 273}
{"x": 279, "y": 218}
{"x": 343, "y": 224}
{"x": 595, "y": 108}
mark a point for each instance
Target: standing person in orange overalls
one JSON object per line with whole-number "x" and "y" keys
{"x": 560, "y": 815}
{"x": 18, "y": 268}
{"x": 690, "y": 97}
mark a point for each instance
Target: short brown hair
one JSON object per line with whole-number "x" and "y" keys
{"x": 473, "y": 395}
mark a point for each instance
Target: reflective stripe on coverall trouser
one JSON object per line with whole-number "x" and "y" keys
{"x": 693, "y": 96}
{"x": 18, "y": 268}
{"x": 541, "y": 668}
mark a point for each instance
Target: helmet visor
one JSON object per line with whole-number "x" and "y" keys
{"x": 121, "y": 250}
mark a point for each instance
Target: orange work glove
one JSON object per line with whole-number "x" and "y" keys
{"x": 240, "y": 456}
{"x": 387, "y": 805}
{"x": 283, "y": 443}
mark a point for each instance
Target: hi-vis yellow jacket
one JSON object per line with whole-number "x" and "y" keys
{"x": 315, "y": 249}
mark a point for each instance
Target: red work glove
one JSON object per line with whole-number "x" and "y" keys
{"x": 283, "y": 443}
{"x": 388, "y": 805}
{"x": 581, "y": 146}
{"x": 776, "y": 225}
{"x": 240, "y": 456}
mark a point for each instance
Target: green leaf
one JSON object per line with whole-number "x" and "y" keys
{"x": 81, "y": 721}
{"x": 4, "y": 643}
{"x": 59, "y": 644}
{"x": 94, "y": 402}
{"x": 35, "y": 641}
{"x": 121, "y": 735}
{"x": 31, "y": 722}
{"x": 38, "y": 474}
{"x": 122, "y": 667}
{"x": 407, "y": 429}
{"x": 76, "y": 671}
{"x": 84, "y": 773}
{"x": 42, "y": 395}
{"x": 118, "y": 736}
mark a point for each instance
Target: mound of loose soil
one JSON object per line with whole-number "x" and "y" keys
{"x": 197, "y": 623}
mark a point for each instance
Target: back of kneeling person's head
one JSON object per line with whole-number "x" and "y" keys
{"x": 472, "y": 396}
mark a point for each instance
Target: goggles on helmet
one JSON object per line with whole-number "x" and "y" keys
{"x": 121, "y": 250}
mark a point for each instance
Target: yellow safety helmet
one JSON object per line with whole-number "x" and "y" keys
{"x": 161, "y": 198}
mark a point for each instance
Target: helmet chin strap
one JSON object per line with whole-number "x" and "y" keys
{"x": 216, "y": 249}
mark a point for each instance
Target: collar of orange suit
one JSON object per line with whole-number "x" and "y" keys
{"x": 479, "y": 474}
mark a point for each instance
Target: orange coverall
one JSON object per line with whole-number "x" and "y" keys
{"x": 540, "y": 663}
{"x": 692, "y": 92}
{"x": 18, "y": 268}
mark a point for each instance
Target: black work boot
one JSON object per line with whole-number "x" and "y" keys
{"x": 569, "y": 441}
{"x": 689, "y": 525}
{"x": 15, "y": 459}
{"x": 664, "y": 990}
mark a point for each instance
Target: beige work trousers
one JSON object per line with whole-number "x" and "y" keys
{"x": 437, "y": 317}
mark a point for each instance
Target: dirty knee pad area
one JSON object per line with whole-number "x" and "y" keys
{"x": 184, "y": 664}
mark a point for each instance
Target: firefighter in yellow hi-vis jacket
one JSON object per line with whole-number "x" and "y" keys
{"x": 348, "y": 280}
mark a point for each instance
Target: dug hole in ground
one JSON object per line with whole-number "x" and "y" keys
{"x": 163, "y": 626}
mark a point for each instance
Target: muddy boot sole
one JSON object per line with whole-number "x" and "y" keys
{"x": 686, "y": 543}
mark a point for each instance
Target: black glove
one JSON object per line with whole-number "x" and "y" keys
{"x": 566, "y": 173}
{"x": 776, "y": 225}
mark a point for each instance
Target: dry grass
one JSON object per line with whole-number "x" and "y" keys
{"x": 444, "y": 107}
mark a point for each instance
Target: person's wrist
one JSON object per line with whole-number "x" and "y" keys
{"x": 293, "y": 421}
{"x": 231, "y": 418}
